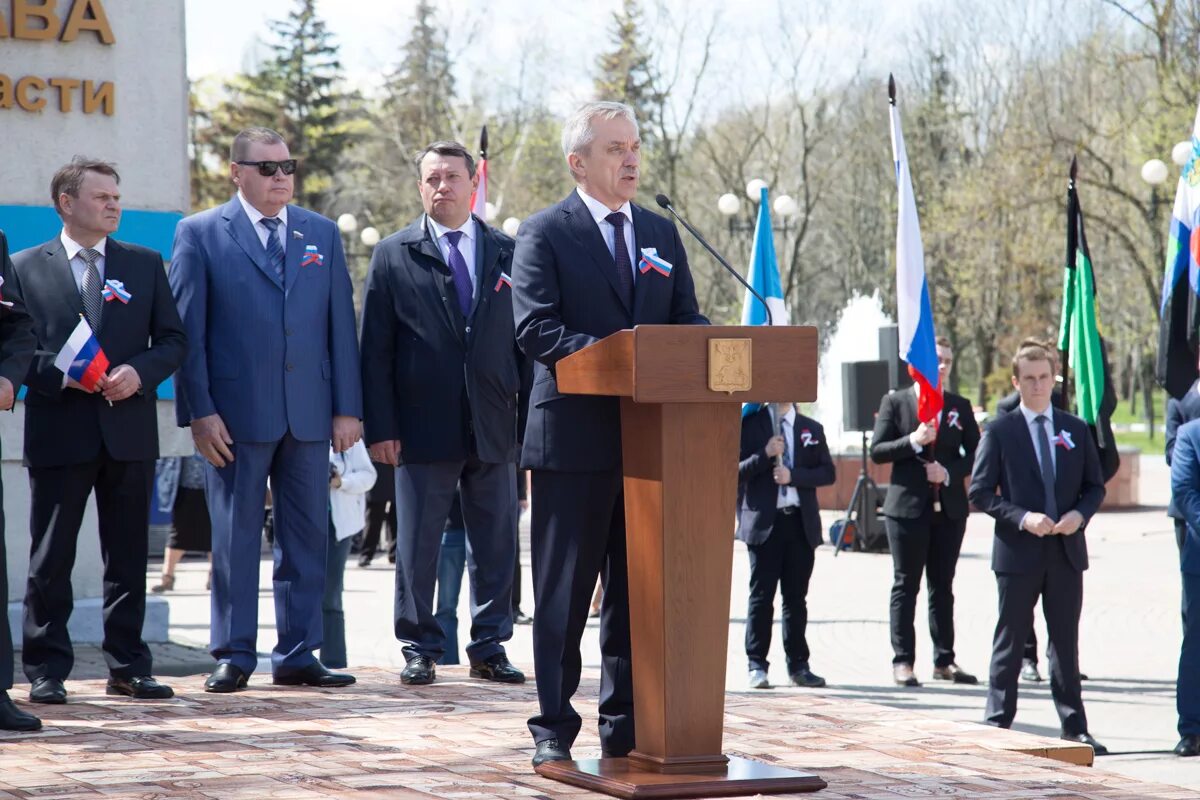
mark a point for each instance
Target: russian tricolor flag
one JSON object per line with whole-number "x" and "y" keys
{"x": 918, "y": 343}
{"x": 82, "y": 358}
{"x": 1178, "y": 314}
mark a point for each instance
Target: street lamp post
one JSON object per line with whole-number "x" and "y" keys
{"x": 729, "y": 204}
{"x": 368, "y": 237}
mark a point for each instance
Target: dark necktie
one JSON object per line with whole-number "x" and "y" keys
{"x": 93, "y": 304}
{"x": 460, "y": 273}
{"x": 785, "y": 427}
{"x": 274, "y": 246}
{"x": 621, "y": 257}
{"x": 1047, "y": 467}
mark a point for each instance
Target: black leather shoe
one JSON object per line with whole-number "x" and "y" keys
{"x": 419, "y": 671}
{"x": 497, "y": 668}
{"x": 1188, "y": 746}
{"x": 902, "y": 675}
{"x": 49, "y": 691}
{"x": 14, "y": 719}
{"x": 1029, "y": 672}
{"x": 225, "y": 678}
{"x": 955, "y": 673}
{"x": 550, "y": 750}
{"x": 314, "y": 674}
{"x": 1086, "y": 738}
{"x": 140, "y": 687}
{"x": 806, "y": 678}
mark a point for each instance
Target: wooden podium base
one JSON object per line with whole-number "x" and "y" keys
{"x": 621, "y": 777}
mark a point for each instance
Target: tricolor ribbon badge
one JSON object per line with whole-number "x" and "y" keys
{"x": 952, "y": 419}
{"x": 806, "y": 438}
{"x": 505, "y": 280}
{"x": 651, "y": 260}
{"x": 311, "y": 256}
{"x": 1063, "y": 439}
{"x": 115, "y": 290}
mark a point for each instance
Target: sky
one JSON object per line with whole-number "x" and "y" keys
{"x": 559, "y": 40}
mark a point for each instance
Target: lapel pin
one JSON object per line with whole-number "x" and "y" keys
{"x": 297, "y": 235}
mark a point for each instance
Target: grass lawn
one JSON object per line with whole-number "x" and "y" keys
{"x": 1123, "y": 419}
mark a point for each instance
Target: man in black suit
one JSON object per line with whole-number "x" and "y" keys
{"x": 925, "y": 514}
{"x": 577, "y": 279}
{"x": 1180, "y": 411}
{"x": 1047, "y": 469}
{"x": 784, "y": 458}
{"x": 441, "y": 379}
{"x": 381, "y": 513}
{"x": 17, "y": 344}
{"x": 106, "y": 440}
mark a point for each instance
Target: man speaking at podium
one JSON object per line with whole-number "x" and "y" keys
{"x": 578, "y": 277}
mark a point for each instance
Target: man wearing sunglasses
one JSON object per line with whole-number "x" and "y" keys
{"x": 271, "y": 379}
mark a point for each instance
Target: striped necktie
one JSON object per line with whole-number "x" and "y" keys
{"x": 274, "y": 246}
{"x": 93, "y": 304}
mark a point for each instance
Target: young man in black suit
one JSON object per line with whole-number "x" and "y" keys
{"x": 784, "y": 458}
{"x": 925, "y": 514}
{"x": 106, "y": 440}
{"x": 1047, "y": 470}
{"x": 441, "y": 379}
{"x": 17, "y": 344}
{"x": 576, "y": 279}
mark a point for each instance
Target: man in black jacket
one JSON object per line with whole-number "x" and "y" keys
{"x": 578, "y": 277}
{"x": 440, "y": 386}
{"x": 78, "y": 440}
{"x": 17, "y": 344}
{"x": 784, "y": 458}
{"x": 1047, "y": 470}
{"x": 1185, "y": 409}
{"x": 925, "y": 513}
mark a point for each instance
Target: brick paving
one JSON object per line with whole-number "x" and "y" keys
{"x": 462, "y": 738}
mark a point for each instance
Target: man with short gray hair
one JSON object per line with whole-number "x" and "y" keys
{"x": 586, "y": 268}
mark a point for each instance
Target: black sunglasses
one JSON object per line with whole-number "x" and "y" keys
{"x": 267, "y": 168}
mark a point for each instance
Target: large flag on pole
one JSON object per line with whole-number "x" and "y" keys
{"x": 1079, "y": 338}
{"x": 764, "y": 277}
{"x": 918, "y": 342}
{"x": 1178, "y": 313}
{"x": 479, "y": 201}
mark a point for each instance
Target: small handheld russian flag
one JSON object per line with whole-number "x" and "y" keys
{"x": 81, "y": 358}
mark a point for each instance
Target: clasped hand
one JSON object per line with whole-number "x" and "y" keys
{"x": 1042, "y": 525}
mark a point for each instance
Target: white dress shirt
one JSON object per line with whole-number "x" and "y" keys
{"x": 599, "y": 211}
{"x": 788, "y": 496}
{"x": 466, "y": 244}
{"x": 256, "y": 218}
{"x": 1035, "y": 433}
{"x": 78, "y": 265}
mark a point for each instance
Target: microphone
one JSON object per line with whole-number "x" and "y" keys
{"x": 665, "y": 202}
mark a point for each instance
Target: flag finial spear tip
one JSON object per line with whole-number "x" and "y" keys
{"x": 891, "y": 89}
{"x": 483, "y": 142}
{"x": 1074, "y": 167}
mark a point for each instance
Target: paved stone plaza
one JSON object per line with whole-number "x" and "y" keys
{"x": 1130, "y": 642}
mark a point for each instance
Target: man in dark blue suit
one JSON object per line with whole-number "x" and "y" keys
{"x": 1046, "y": 467}
{"x": 784, "y": 458}
{"x": 1185, "y": 493}
{"x": 103, "y": 439}
{"x": 271, "y": 379}
{"x": 576, "y": 279}
{"x": 1180, "y": 411}
{"x": 17, "y": 345}
{"x": 442, "y": 376}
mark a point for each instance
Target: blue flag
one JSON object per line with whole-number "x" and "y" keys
{"x": 764, "y": 277}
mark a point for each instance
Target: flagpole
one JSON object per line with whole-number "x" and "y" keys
{"x": 1072, "y": 245}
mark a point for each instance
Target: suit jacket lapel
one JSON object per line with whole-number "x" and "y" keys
{"x": 642, "y": 237}
{"x": 114, "y": 270}
{"x": 487, "y": 259}
{"x": 242, "y": 231}
{"x": 61, "y": 278}
{"x": 1026, "y": 443}
{"x": 442, "y": 287}
{"x": 580, "y": 221}
{"x": 294, "y": 247}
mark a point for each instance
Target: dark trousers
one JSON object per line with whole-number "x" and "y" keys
{"x": 577, "y": 533}
{"x": 424, "y": 495}
{"x": 379, "y": 514}
{"x": 299, "y": 476}
{"x": 59, "y": 497}
{"x": 1061, "y": 588}
{"x": 452, "y": 560}
{"x": 333, "y": 614}
{"x": 928, "y": 545}
{"x": 6, "y": 648}
{"x": 1187, "y": 687}
{"x": 785, "y": 560}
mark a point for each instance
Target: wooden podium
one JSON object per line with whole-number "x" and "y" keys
{"x": 681, "y": 390}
